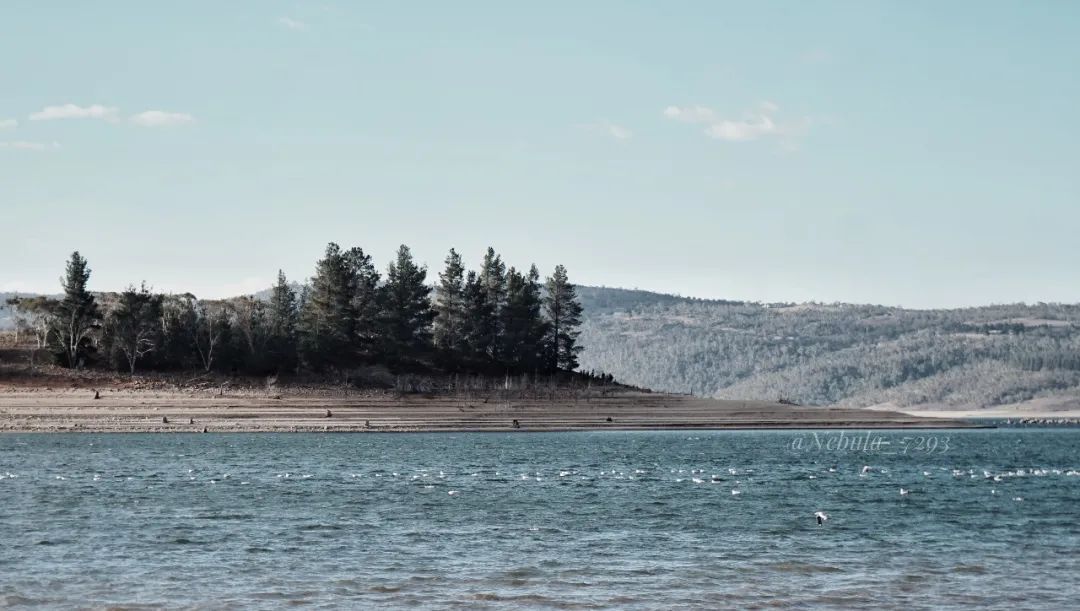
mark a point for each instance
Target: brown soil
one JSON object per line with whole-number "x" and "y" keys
{"x": 32, "y": 408}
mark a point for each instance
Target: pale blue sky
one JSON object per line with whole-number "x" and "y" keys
{"x": 909, "y": 153}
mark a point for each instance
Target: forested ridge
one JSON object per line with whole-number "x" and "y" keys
{"x": 846, "y": 354}
{"x": 348, "y": 321}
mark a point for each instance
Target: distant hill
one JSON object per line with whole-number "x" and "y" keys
{"x": 856, "y": 355}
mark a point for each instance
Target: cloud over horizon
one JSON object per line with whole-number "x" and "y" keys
{"x": 612, "y": 130}
{"x": 161, "y": 118}
{"x": 754, "y": 125}
{"x": 292, "y": 24}
{"x": 73, "y": 111}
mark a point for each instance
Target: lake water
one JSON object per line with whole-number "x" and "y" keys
{"x": 560, "y": 520}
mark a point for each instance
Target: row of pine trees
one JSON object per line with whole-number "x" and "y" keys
{"x": 495, "y": 320}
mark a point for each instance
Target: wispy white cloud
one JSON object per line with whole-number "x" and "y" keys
{"x": 72, "y": 111}
{"x": 8, "y": 124}
{"x": 161, "y": 118}
{"x": 25, "y": 145}
{"x": 612, "y": 130}
{"x": 292, "y": 24}
{"x": 754, "y": 125}
{"x": 690, "y": 114}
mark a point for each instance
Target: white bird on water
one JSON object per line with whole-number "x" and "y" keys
{"x": 904, "y": 492}
{"x": 821, "y": 517}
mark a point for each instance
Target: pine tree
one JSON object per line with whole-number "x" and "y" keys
{"x": 281, "y": 324}
{"x": 77, "y": 318}
{"x": 450, "y": 307}
{"x": 521, "y": 322}
{"x": 564, "y": 317}
{"x": 493, "y": 282}
{"x": 365, "y": 306}
{"x": 537, "y": 327}
{"x": 478, "y": 333}
{"x": 327, "y": 320}
{"x": 407, "y": 312}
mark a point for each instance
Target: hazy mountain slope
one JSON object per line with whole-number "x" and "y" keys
{"x": 850, "y": 354}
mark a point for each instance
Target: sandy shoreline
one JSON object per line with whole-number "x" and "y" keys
{"x": 141, "y": 411}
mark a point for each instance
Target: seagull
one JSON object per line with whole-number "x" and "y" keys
{"x": 904, "y": 492}
{"x": 821, "y": 517}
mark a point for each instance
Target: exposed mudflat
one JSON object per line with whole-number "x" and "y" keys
{"x": 127, "y": 410}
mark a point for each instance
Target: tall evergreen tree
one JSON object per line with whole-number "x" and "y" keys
{"x": 327, "y": 320}
{"x": 135, "y": 324}
{"x": 77, "y": 318}
{"x": 281, "y": 324}
{"x": 521, "y": 322}
{"x": 407, "y": 312}
{"x": 479, "y": 324}
{"x": 365, "y": 306}
{"x": 493, "y": 281}
{"x": 564, "y": 317}
{"x": 450, "y": 306}
{"x": 537, "y": 327}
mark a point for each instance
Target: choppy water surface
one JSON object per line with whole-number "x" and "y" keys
{"x": 564, "y": 520}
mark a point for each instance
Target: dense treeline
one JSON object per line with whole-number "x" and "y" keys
{"x": 348, "y": 317}
{"x": 835, "y": 353}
